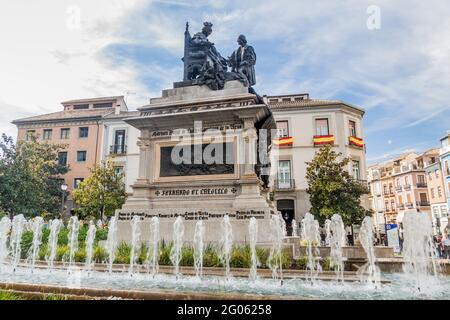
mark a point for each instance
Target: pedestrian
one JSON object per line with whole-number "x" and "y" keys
{"x": 446, "y": 245}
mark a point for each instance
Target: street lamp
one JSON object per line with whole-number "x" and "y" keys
{"x": 63, "y": 189}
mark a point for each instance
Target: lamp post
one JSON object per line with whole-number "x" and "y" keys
{"x": 63, "y": 189}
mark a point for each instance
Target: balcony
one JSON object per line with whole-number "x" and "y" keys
{"x": 118, "y": 149}
{"x": 285, "y": 185}
{"x": 422, "y": 185}
{"x": 398, "y": 188}
{"x": 356, "y": 142}
{"x": 423, "y": 203}
{"x": 401, "y": 206}
{"x": 323, "y": 140}
{"x": 410, "y": 206}
{"x": 407, "y": 187}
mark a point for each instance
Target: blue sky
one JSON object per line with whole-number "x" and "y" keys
{"x": 60, "y": 50}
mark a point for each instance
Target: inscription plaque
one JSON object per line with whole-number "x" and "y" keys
{"x": 224, "y": 163}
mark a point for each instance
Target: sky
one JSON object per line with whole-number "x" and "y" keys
{"x": 390, "y": 57}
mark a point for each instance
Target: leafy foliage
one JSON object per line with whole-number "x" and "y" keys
{"x": 102, "y": 193}
{"x": 333, "y": 190}
{"x": 29, "y": 177}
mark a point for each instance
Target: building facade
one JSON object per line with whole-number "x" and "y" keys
{"x": 444, "y": 155}
{"x": 438, "y": 200}
{"x": 303, "y": 126}
{"x": 79, "y": 129}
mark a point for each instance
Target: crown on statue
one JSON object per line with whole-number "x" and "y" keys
{"x": 208, "y": 24}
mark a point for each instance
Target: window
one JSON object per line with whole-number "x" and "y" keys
{"x": 432, "y": 193}
{"x": 423, "y": 197}
{"x": 393, "y": 205}
{"x": 407, "y": 181}
{"x": 81, "y": 106}
{"x": 81, "y": 156}
{"x": 443, "y": 210}
{"x": 436, "y": 212}
{"x": 62, "y": 158}
{"x": 400, "y": 200}
{"x": 436, "y": 173}
{"x": 47, "y": 135}
{"x": 385, "y": 189}
{"x": 398, "y": 182}
{"x": 65, "y": 133}
{"x": 284, "y": 174}
{"x": 76, "y": 182}
{"x": 386, "y": 205}
{"x": 430, "y": 177}
{"x": 356, "y": 170}
{"x": 322, "y": 128}
{"x": 282, "y": 129}
{"x": 119, "y": 142}
{"x": 408, "y": 198}
{"x": 421, "y": 179}
{"x": 30, "y": 134}
{"x": 391, "y": 190}
{"x": 352, "y": 128}
{"x": 286, "y": 99}
{"x": 439, "y": 190}
{"x": 103, "y": 105}
{"x": 83, "y": 132}
{"x": 447, "y": 169}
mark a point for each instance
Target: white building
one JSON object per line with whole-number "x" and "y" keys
{"x": 306, "y": 124}
{"x": 120, "y": 145}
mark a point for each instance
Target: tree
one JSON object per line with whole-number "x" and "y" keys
{"x": 333, "y": 190}
{"x": 101, "y": 193}
{"x": 29, "y": 177}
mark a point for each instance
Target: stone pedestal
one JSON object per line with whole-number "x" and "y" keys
{"x": 182, "y": 124}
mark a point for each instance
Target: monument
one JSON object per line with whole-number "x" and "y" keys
{"x": 204, "y": 148}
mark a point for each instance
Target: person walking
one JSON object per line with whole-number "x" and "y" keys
{"x": 446, "y": 245}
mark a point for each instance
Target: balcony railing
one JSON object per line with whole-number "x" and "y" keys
{"x": 423, "y": 203}
{"x": 398, "y": 188}
{"x": 410, "y": 205}
{"x": 118, "y": 149}
{"x": 422, "y": 185}
{"x": 285, "y": 185}
{"x": 401, "y": 206}
{"x": 407, "y": 187}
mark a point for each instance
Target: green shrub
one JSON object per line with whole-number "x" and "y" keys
{"x": 99, "y": 254}
{"x": 143, "y": 252}
{"x": 63, "y": 236}
{"x": 80, "y": 255}
{"x": 43, "y": 251}
{"x": 211, "y": 257}
{"x": 164, "y": 254}
{"x": 5, "y": 295}
{"x": 325, "y": 263}
{"x": 240, "y": 257}
{"x": 301, "y": 263}
{"x": 286, "y": 261}
{"x": 45, "y": 235}
{"x": 102, "y": 234}
{"x": 62, "y": 253}
{"x": 263, "y": 255}
{"x": 82, "y": 234}
{"x": 187, "y": 257}
{"x": 26, "y": 242}
{"x": 123, "y": 252}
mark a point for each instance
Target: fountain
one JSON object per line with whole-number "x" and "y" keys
{"x": 311, "y": 236}
{"x": 327, "y": 227}
{"x": 89, "y": 245}
{"x": 226, "y": 245}
{"x": 36, "y": 227}
{"x": 294, "y": 228}
{"x": 370, "y": 270}
{"x": 135, "y": 241}
{"x": 5, "y": 226}
{"x": 277, "y": 233}
{"x": 18, "y": 226}
{"x": 336, "y": 240}
{"x": 55, "y": 227}
{"x": 153, "y": 248}
{"x": 419, "y": 252}
{"x": 175, "y": 251}
{"x": 199, "y": 234}
{"x": 111, "y": 242}
{"x": 74, "y": 227}
{"x": 253, "y": 237}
